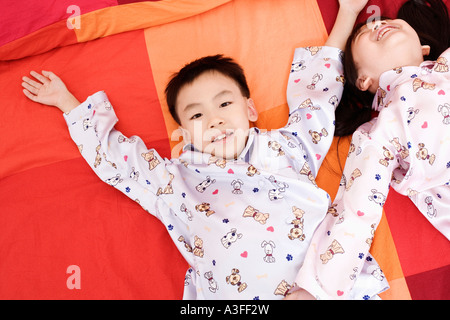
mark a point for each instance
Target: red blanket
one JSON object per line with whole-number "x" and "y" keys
{"x": 67, "y": 235}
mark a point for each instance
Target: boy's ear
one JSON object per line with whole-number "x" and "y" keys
{"x": 363, "y": 83}
{"x": 186, "y": 135}
{"x": 426, "y": 50}
{"x": 252, "y": 113}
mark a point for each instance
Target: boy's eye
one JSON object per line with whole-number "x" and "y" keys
{"x": 196, "y": 116}
{"x": 225, "y": 104}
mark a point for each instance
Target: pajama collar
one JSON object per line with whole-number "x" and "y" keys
{"x": 389, "y": 80}
{"x": 191, "y": 154}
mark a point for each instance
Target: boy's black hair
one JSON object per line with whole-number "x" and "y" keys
{"x": 430, "y": 19}
{"x": 224, "y": 65}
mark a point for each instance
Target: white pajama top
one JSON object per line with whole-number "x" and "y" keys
{"x": 244, "y": 226}
{"x": 407, "y": 148}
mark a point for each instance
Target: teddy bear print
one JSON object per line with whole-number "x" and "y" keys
{"x": 317, "y": 136}
{"x": 306, "y": 170}
{"x": 205, "y": 207}
{"x": 313, "y": 50}
{"x": 198, "y": 247}
{"x": 235, "y": 280}
{"x": 98, "y": 157}
{"x": 122, "y": 139}
{"x": 423, "y": 154}
{"x": 417, "y": 84}
{"x": 221, "y": 163}
{"x": 388, "y": 156}
{"x": 251, "y": 212}
{"x": 308, "y": 104}
{"x": 282, "y": 289}
{"x": 168, "y": 188}
{"x": 402, "y": 150}
{"x": 251, "y": 171}
{"x": 334, "y": 248}
{"x": 276, "y": 146}
{"x": 441, "y": 65}
{"x": 186, "y": 245}
{"x": 355, "y": 174}
{"x": 112, "y": 164}
{"x": 151, "y": 159}
{"x": 297, "y": 231}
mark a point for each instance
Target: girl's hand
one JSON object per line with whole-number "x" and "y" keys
{"x": 354, "y": 6}
{"x": 345, "y": 20}
{"x": 48, "y": 89}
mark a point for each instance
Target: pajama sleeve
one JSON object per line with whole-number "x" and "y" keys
{"x": 339, "y": 250}
{"x": 124, "y": 163}
{"x": 314, "y": 90}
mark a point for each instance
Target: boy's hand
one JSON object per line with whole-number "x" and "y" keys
{"x": 49, "y": 89}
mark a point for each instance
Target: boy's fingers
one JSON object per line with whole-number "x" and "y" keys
{"x": 29, "y": 95}
{"x": 49, "y": 74}
{"x": 30, "y": 88}
{"x": 32, "y": 82}
{"x": 39, "y": 76}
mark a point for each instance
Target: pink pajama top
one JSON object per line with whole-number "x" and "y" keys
{"x": 407, "y": 148}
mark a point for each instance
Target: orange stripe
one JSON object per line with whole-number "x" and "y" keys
{"x": 140, "y": 15}
{"x": 260, "y": 35}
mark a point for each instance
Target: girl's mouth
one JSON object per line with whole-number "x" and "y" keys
{"x": 384, "y": 30}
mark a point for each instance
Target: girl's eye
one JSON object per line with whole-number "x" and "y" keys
{"x": 225, "y": 104}
{"x": 196, "y": 116}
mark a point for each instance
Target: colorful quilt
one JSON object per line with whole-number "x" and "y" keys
{"x": 64, "y": 234}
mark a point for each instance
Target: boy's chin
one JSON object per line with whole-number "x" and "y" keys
{"x": 223, "y": 153}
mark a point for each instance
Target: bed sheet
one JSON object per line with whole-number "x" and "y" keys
{"x": 62, "y": 227}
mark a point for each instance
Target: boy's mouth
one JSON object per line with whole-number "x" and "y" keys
{"x": 221, "y": 136}
{"x": 384, "y": 30}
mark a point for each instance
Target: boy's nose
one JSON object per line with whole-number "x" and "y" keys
{"x": 214, "y": 123}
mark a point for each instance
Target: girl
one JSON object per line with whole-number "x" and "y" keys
{"x": 407, "y": 147}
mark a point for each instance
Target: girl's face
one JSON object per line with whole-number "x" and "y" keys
{"x": 384, "y": 45}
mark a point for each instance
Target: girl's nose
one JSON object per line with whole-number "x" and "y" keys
{"x": 378, "y": 24}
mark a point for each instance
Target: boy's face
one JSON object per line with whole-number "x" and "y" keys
{"x": 214, "y": 115}
{"x": 384, "y": 45}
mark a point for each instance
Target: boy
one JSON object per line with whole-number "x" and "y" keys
{"x": 240, "y": 204}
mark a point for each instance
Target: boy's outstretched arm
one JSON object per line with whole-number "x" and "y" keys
{"x": 47, "y": 88}
{"x": 345, "y": 21}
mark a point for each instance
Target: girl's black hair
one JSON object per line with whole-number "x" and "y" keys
{"x": 430, "y": 19}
